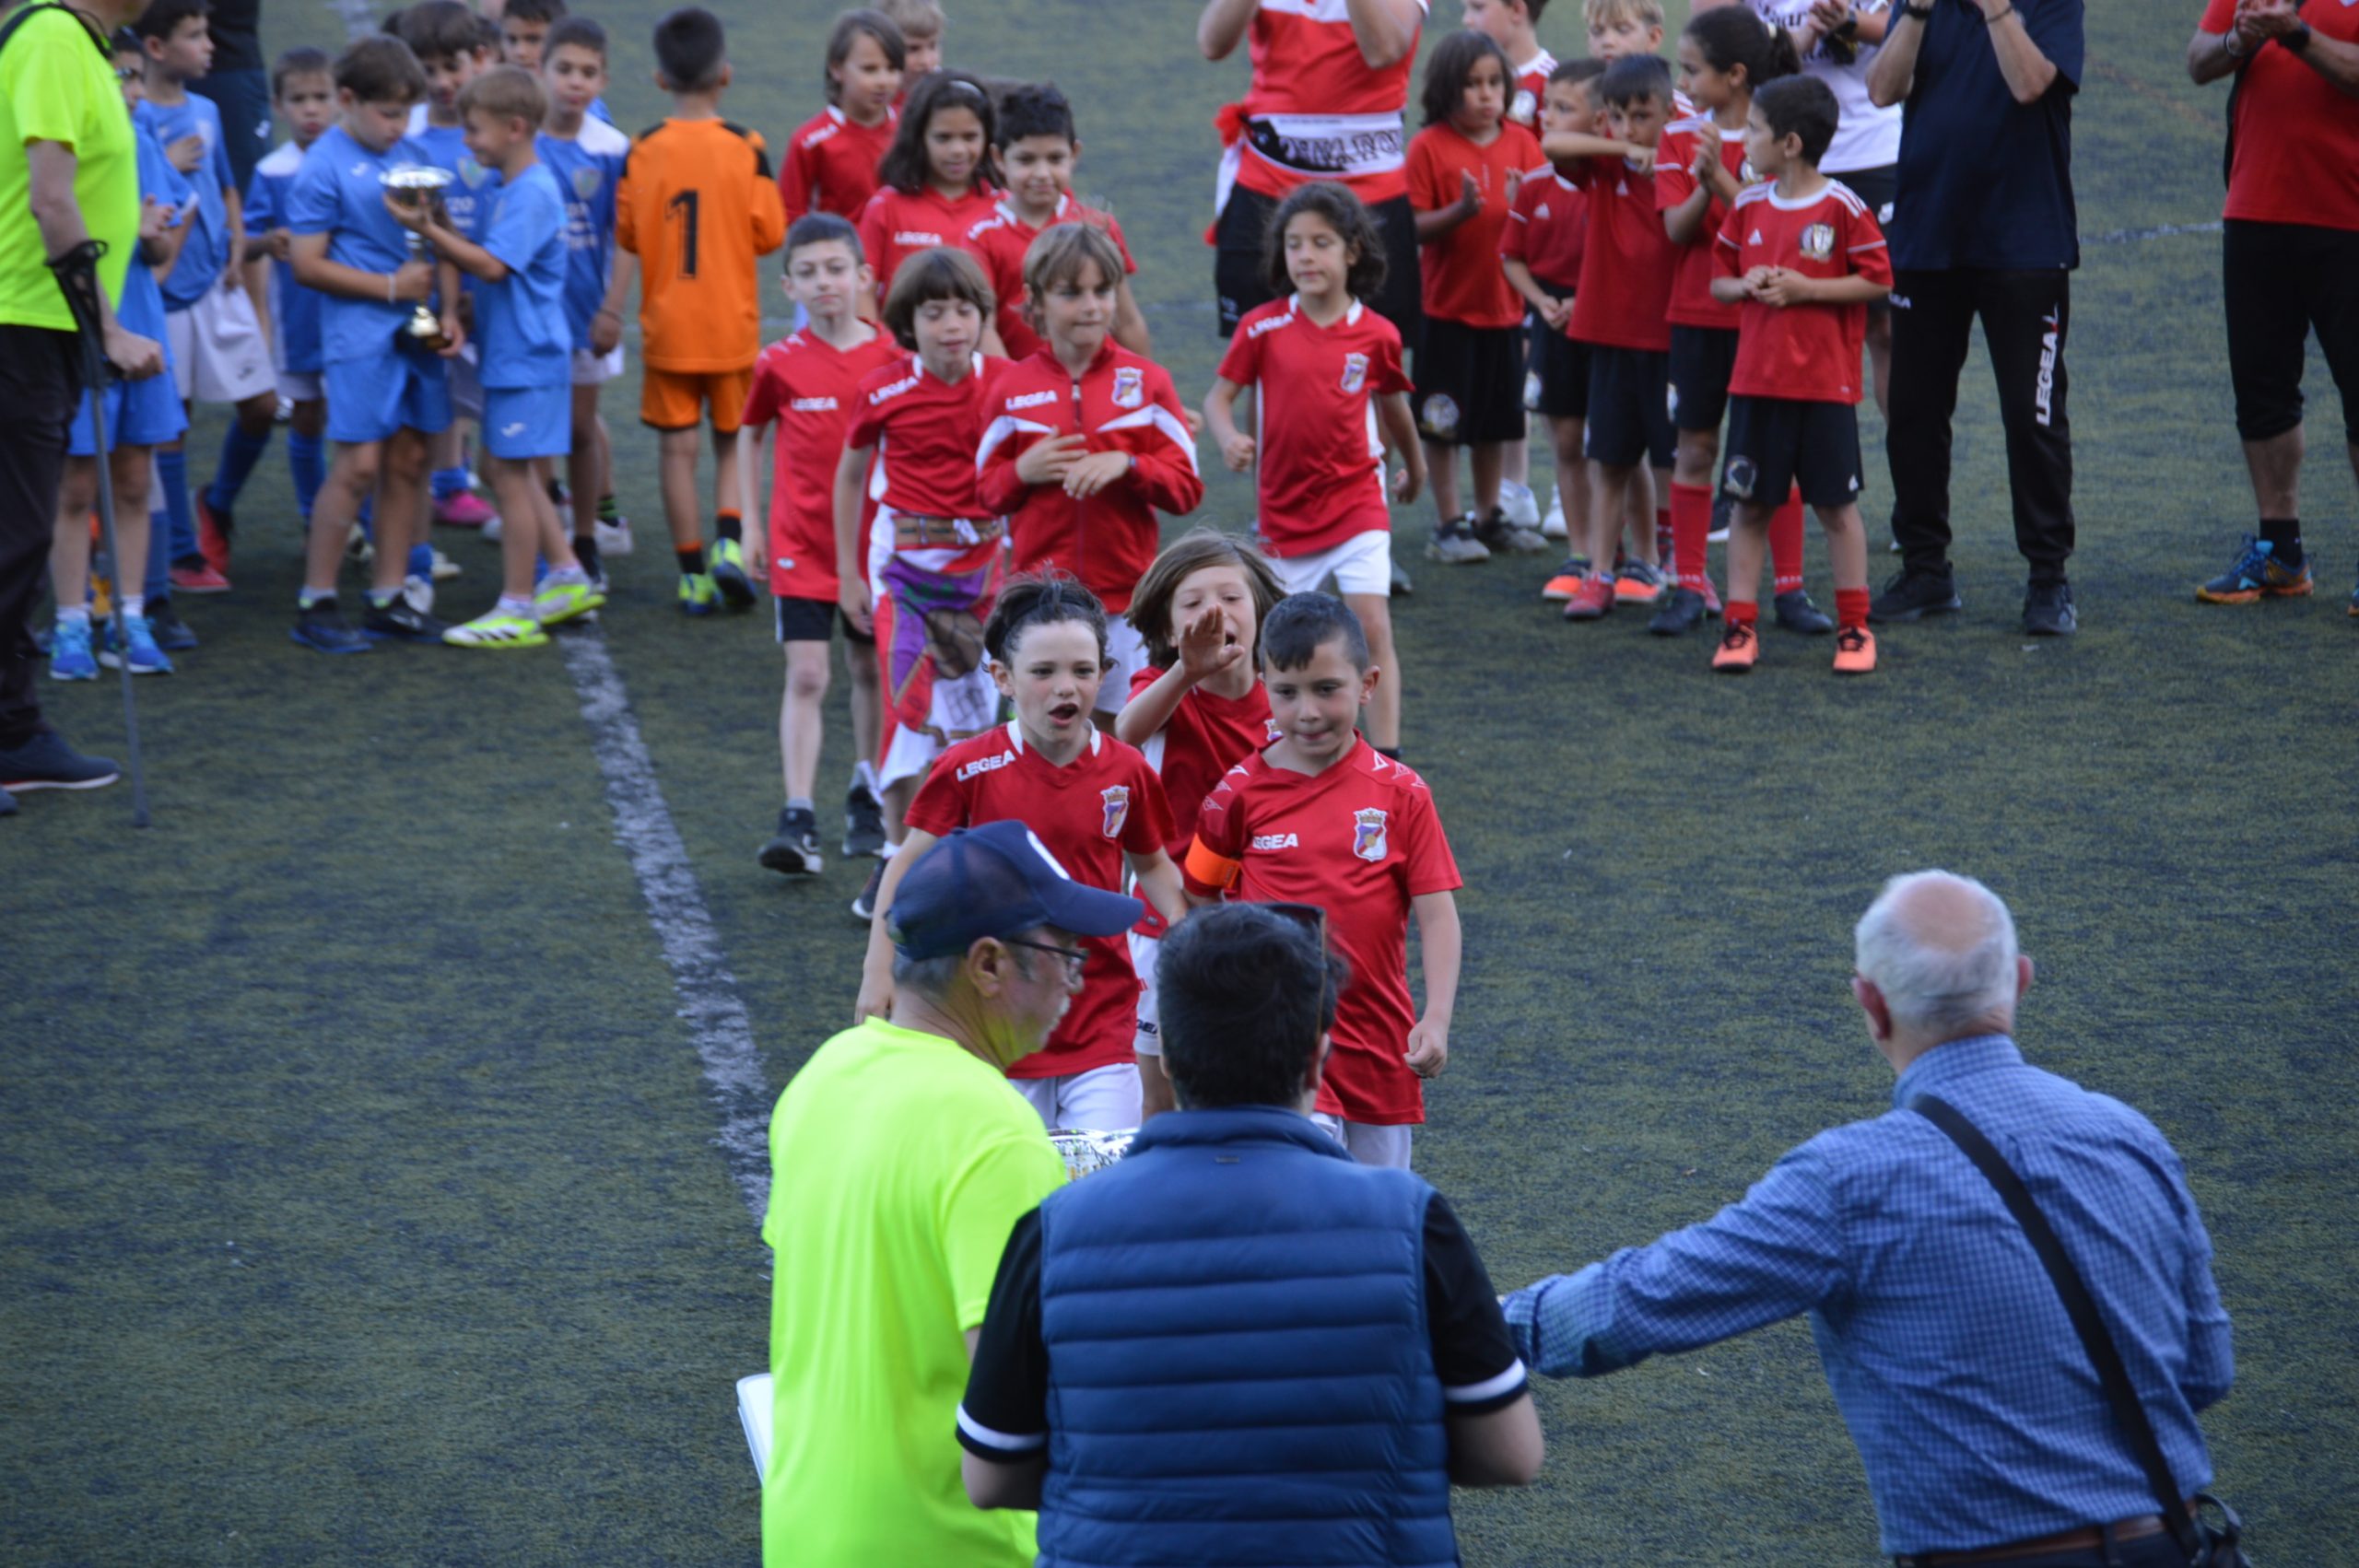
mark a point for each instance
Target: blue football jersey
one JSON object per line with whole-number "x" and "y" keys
{"x": 206, "y": 253}
{"x": 338, "y": 192}
{"x": 522, "y": 336}
{"x": 294, "y": 310}
{"x": 587, "y": 167}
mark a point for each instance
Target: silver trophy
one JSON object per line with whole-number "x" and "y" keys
{"x": 412, "y": 184}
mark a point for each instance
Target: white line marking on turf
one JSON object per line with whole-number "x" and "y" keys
{"x": 2163, "y": 231}
{"x": 709, "y": 1004}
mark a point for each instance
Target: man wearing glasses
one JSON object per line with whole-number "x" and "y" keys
{"x": 900, "y": 1158}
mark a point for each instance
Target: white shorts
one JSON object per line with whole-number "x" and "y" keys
{"x": 1370, "y": 1145}
{"x": 1104, "y": 1099}
{"x": 219, "y": 355}
{"x": 466, "y": 383}
{"x": 1150, "y": 1033}
{"x": 596, "y": 369}
{"x": 1362, "y": 564}
{"x": 1125, "y": 656}
{"x": 301, "y": 386}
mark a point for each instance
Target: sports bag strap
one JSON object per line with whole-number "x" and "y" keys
{"x": 98, "y": 34}
{"x": 2079, "y": 1305}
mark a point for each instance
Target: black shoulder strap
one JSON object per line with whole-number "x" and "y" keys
{"x": 98, "y": 36}
{"x": 2128, "y": 1409}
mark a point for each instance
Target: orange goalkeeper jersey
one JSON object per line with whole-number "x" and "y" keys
{"x": 697, "y": 204}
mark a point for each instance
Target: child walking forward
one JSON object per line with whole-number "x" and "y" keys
{"x": 1093, "y": 802}
{"x": 937, "y": 180}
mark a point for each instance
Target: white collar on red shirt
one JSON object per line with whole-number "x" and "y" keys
{"x": 1351, "y": 317}
{"x": 1066, "y": 206}
{"x": 1016, "y": 737}
{"x": 1543, "y": 61}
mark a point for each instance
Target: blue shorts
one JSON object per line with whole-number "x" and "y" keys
{"x": 521, "y": 422}
{"x": 400, "y": 390}
{"x": 139, "y": 414}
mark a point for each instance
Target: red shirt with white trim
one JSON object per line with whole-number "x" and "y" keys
{"x": 1320, "y": 461}
{"x": 1547, "y": 228}
{"x": 1692, "y": 304}
{"x": 1104, "y": 803}
{"x": 809, "y": 387}
{"x": 1805, "y": 353}
{"x": 926, "y": 432}
{"x": 894, "y": 225}
{"x": 1002, "y": 240}
{"x": 1627, "y": 262}
{"x": 1315, "y": 108}
{"x": 1531, "y": 89}
{"x": 1359, "y": 841}
{"x": 830, "y": 164}
{"x": 1123, "y": 403}
{"x": 2295, "y": 151}
{"x": 1206, "y": 735}
{"x": 1462, "y": 281}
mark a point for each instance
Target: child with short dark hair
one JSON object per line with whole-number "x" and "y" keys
{"x": 831, "y": 161}
{"x": 387, "y": 390}
{"x": 808, "y": 384}
{"x": 1539, "y": 251}
{"x": 697, "y": 207}
{"x": 1803, "y": 257}
{"x": 302, "y": 90}
{"x": 1331, "y": 396}
{"x": 1038, "y": 148}
{"x": 524, "y": 29}
{"x": 1087, "y": 441}
{"x": 1463, "y": 171}
{"x": 937, "y": 179}
{"x": 1320, "y": 817}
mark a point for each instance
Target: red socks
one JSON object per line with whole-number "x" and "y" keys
{"x": 1691, "y": 522}
{"x": 1851, "y": 607}
{"x": 1786, "y": 543}
{"x": 1741, "y": 612}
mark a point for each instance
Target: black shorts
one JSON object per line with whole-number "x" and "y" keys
{"x": 1469, "y": 384}
{"x": 1876, "y": 187}
{"x": 1630, "y": 408}
{"x": 1774, "y": 442}
{"x": 1702, "y": 359}
{"x": 1557, "y": 384}
{"x": 2282, "y": 282}
{"x": 1242, "y": 283}
{"x": 814, "y": 620}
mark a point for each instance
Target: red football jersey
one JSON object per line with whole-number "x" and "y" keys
{"x": 1000, "y": 241}
{"x": 810, "y": 387}
{"x": 1461, "y": 270}
{"x": 894, "y": 227}
{"x": 1315, "y": 108}
{"x": 1121, "y": 404}
{"x": 1206, "y": 735}
{"x": 1627, "y": 261}
{"x": 1359, "y": 841}
{"x": 1321, "y": 459}
{"x": 926, "y": 432}
{"x": 2293, "y": 139}
{"x": 1806, "y": 353}
{"x": 1104, "y": 803}
{"x": 1547, "y": 227}
{"x": 1531, "y": 90}
{"x": 1692, "y": 304}
{"x": 830, "y": 164}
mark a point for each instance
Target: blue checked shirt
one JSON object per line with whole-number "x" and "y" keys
{"x": 1976, "y": 1412}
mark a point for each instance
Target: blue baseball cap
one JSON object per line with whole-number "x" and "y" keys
{"x": 997, "y": 880}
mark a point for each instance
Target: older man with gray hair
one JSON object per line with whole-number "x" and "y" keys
{"x": 1985, "y": 1430}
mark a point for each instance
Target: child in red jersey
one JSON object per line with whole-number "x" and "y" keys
{"x": 1803, "y": 259}
{"x": 1621, "y": 312}
{"x": 1321, "y": 818}
{"x": 1086, "y": 442}
{"x": 807, "y": 384}
{"x": 1333, "y": 397}
{"x": 1724, "y": 55}
{"x": 1197, "y": 709}
{"x": 934, "y": 561}
{"x": 830, "y": 162}
{"x": 1038, "y": 149}
{"x": 1539, "y": 251}
{"x": 937, "y": 180}
{"x": 1514, "y": 26}
{"x": 1095, "y": 805}
{"x": 1462, "y": 173}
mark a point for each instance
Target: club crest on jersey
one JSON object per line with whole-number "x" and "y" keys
{"x": 1118, "y": 809}
{"x": 585, "y": 181}
{"x": 1818, "y": 241}
{"x": 1276, "y": 734}
{"x": 1746, "y": 174}
{"x": 1367, "y": 834}
{"x": 1355, "y": 372}
{"x": 1130, "y": 386}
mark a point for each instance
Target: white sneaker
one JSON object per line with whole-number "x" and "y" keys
{"x": 1521, "y": 506}
{"x": 358, "y": 547}
{"x": 419, "y": 595}
{"x": 490, "y": 529}
{"x": 445, "y": 568}
{"x": 614, "y": 538}
{"x": 1553, "y": 525}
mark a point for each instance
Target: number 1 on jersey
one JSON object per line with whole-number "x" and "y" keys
{"x": 685, "y": 204}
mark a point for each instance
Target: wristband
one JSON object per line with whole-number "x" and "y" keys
{"x": 2228, "y": 42}
{"x": 389, "y": 289}
{"x": 1922, "y": 12}
{"x": 1997, "y": 16}
{"x": 2298, "y": 40}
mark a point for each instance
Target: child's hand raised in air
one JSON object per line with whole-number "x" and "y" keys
{"x": 1428, "y": 1050}
{"x": 1205, "y": 649}
{"x": 1047, "y": 463}
{"x": 1237, "y": 452}
{"x": 1084, "y": 477}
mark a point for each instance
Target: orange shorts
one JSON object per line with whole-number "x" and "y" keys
{"x": 676, "y": 400}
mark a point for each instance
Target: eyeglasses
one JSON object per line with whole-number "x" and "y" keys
{"x": 1075, "y": 959}
{"x": 129, "y": 73}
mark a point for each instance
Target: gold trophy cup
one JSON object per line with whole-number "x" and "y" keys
{"x": 412, "y": 184}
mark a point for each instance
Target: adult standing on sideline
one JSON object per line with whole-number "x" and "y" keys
{"x": 1983, "y": 225}
{"x": 2289, "y": 254}
{"x": 238, "y": 84}
{"x": 1985, "y": 1430}
{"x": 901, "y": 1158}
{"x": 1331, "y": 84}
{"x": 68, "y": 173}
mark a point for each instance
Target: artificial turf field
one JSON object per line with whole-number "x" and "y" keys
{"x": 362, "y": 1198}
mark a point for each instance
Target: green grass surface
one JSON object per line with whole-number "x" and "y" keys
{"x": 358, "y": 1195}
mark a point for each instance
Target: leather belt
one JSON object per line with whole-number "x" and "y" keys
{"x": 2088, "y": 1537}
{"x": 943, "y": 531}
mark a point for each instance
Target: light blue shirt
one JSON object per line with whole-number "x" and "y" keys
{"x": 520, "y": 322}
{"x": 588, "y": 168}
{"x": 1976, "y": 1412}
{"x": 205, "y": 255}
{"x": 337, "y": 192}
{"x": 142, "y": 308}
{"x": 468, "y": 194}
{"x": 294, "y": 310}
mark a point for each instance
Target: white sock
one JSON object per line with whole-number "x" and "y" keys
{"x": 134, "y": 604}
{"x": 511, "y": 605}
{"x": 79, "y": 617}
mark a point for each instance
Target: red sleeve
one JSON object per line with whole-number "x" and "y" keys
{"x": 997, "y": 485}
{"x": 769, "y": 217}
{"x": 766, "y": 396}
{"x": 1675, "y": 169}
{"x": 1241, "y": 365}
{"x": 1425, "y": 174}
{"x": 1140, "y": 680}
{"x": 1870, "y": 258}
{"x": 1114, "y": 232}
{"x": 1726, "y": 254}
{"x": 1388, "y": 376}
{"x": 875, "y": 229}
{"x": 942, "y": 805}
{"x": 1167, "y": 477}
{"x": 1515, "y": 233}
{"x": 1432, "y": 867}
{"x": 795, "y": 179}
{"x": 2219, "y": 17}
{"x": 867, "y": 422}
{"x": 1148, "y": 827}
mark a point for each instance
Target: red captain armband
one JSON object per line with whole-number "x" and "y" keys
{"x": 1206, "y": 872}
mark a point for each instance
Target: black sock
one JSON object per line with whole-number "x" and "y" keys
{"x": 586, "y": 550}
{"x": 730, "y": 526}
{"x": 2283, "y": 537}
{"x": 691, "y": 560}
{"x": 557, "y": 492}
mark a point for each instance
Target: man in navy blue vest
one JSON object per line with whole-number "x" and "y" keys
{"x": 1238, "y": 1345}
